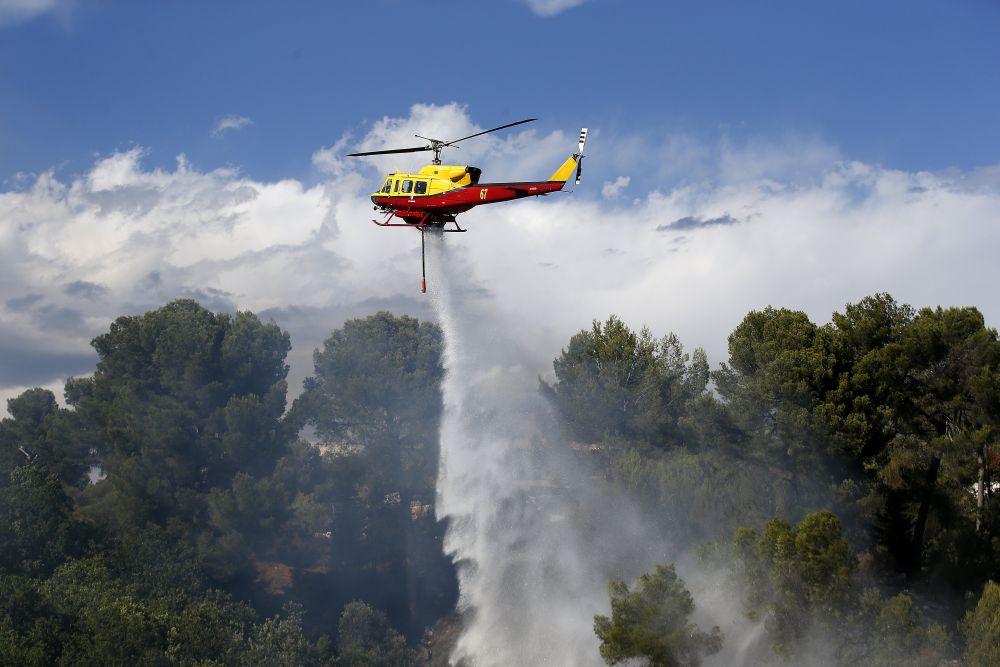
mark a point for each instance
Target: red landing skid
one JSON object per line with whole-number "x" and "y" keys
{"x": 425, "y": 223}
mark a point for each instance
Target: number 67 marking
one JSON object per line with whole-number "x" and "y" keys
{"x": 482, "y": 193}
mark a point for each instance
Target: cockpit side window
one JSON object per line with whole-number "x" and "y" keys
{"x": 395, "y": 187}
{"x": 388, "y": 184}
{"x": 420, "y": 188}
{"x": 407, "y": 186}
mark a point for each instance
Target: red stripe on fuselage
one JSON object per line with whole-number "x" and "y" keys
{"x": 462, "y": 199}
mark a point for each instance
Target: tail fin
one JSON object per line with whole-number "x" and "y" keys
{"x": 563, "y": 173}
{"x": 575, "y": 161}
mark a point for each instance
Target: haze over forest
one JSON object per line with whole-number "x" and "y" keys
{"x": 834, "y": 481}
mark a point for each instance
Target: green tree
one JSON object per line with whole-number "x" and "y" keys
{"x": 856, "y": 407}
{"x": 795, "y": 575}
{"x": 37, "y": 531}
{"x": 40, "y": 432}
{"x": 367, "y": 639}
{"x": 779, "y": 367}
{"x": 378, "y": 385}
{"x": 182, "y": 399}
{"x": 377, "y": 391}
{"x": 801, "y": 581}
{"x": 981, "y": 629}
{"x": 885, "y": 632}
{"x": 614, "y": 382}
{"x": 651, "y": 621}
{"x": 208, "y": 630}
{"x": 280, "y": 641}
{"x": 912, "y": 408}
{"x": 28, "y": 634}
{"x": 890, "y": 407}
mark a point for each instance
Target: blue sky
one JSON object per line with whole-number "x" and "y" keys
{"x": 742, "y": 154}
{"x": 912, "y": 85}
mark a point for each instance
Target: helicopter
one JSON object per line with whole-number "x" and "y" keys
{"x": 431, "y": 198}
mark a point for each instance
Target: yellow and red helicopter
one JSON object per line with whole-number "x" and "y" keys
{"x": 432, "y": 197}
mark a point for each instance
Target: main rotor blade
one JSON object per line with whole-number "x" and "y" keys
{"x": 455, "y": 141}
{"x": 394, "y": 150}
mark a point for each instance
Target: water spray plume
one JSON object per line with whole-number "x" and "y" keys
{"x": 534, "y": 537}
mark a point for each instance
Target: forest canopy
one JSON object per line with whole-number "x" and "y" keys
{"x": 177, "y": 509}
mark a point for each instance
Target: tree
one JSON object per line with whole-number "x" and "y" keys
{"x": 894, "y": 407}
{"x": 915, "y": 413}
{"x": 981, "y": 628}
{"x": 183, "y": 399}
{"x": 855, "y": 408}
{"x": 613, "y": 382}
{"x": 779, "y": 366}
{"x": 279, "y": 641}
{"x": 37, "y": 531}
{"x": 367, "y": 639}
{"x": 801, "y": 581}
{"x": 377, "y": 390}
{"x": 651, "y": 621}
{"x": 43, "y": 434}
{"x": 378, "y": 384}
{"x": 795, "y": 575}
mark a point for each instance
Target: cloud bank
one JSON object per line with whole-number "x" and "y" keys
{"x": 691, "y": 258}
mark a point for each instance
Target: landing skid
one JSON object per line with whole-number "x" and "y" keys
{"x": 427, "y": 221}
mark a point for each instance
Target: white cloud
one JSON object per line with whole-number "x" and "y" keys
{"x": 552, "y": 7}
{"x": 136, "y": 238}
{"x": 123, "y": 238}
{"x": 613, "y": 189}
{"x": 19, "y": 11}
{"x": 230, "y": 122}
{"x": 332, "y": 160}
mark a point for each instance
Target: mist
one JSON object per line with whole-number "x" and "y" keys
{"x": 534, "y": 535}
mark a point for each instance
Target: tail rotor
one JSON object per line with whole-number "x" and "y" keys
{"x": 579, "y": 155}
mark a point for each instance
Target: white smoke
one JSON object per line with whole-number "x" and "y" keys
{"x": 535, "y": 538}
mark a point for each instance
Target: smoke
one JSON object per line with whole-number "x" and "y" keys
{"x": 535, "y": 538}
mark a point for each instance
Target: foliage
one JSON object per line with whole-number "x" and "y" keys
{"x": 378, "y": 385}
{"x": 377, "y": 390}
{"x": 36, "y": 532}
{"x": 181, "y": 400}
{"x": 208, "y": 498}
{"x": 794, "y": 574}
{"x": 367, "y": 639}
{"x": 981, "y": 628}
{"x": 85, "y": 615}
{"x": 279, "y": 641}
{"x": 614, "y": 382}
{"x": 651, "y": 621}
{"x": 801, "y": 581}
{"x": 213, "y": 514}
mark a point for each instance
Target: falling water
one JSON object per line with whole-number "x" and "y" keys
{"x": 528, "y": 529}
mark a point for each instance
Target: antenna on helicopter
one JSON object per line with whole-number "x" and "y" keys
{"x": 437, "y": 144}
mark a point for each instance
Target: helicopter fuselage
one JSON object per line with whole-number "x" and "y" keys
{"x": 437, "y": 193}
